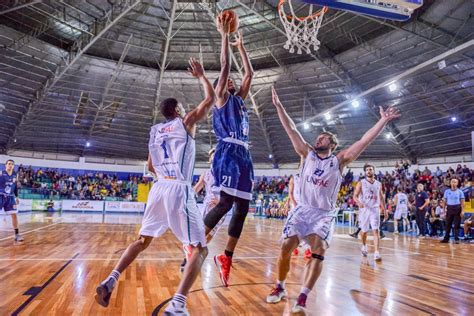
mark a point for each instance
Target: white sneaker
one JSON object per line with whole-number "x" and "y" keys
{"x": 276, "y": 295}
{"x": 396, "y": 232}
{"x": 176, "y": 309}
{"x": 377, "y": 256}
{"x": 364, "y": 251}
{"x": 298, "y": 309}
{"x": 18, "y": 237}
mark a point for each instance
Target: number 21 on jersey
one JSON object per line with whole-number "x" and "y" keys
{"x": 226, "y": 181}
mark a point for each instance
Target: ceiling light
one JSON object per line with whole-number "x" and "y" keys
{"x": 305, "y": 125}
{"x": 327, "y": 116}
{"x": 270, "y": 156}
{"x": 355, "y": 103}
{"x": 392, "y": 87}
{"x": 454, "y": 118}
{"x": 388, "y": 135}
{"x": 88, "y": 144}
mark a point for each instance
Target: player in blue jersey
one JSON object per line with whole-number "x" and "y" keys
{"x": 9, "y": 195}
{"x": 232, "y": 165}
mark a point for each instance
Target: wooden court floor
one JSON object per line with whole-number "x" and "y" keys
{"x": 55, "y": 272}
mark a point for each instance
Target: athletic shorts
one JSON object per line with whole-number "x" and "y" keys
{"x": 171, "y": 204}
{"x": 304, "y": 221}
{"x": 369, "y": 218}
{"x": 233, "y": 170}
{"x": 8, "y": 203}
{"x": 399, "y": 213}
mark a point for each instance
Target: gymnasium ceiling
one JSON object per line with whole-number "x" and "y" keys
{"x": 91, "y": 72}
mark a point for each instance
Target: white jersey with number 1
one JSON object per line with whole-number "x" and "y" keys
{"x": 172, "y": 151}
{"x": 171, "y": 202}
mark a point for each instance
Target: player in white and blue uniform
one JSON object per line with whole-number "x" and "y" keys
{"x": 9, "y": 195}
{"x": 369, "y": 197}
{"x": 314, "y": 215}
{"x": 232, "y": 166}
{"x": 171, "y": 201}
{"x": 401, "y": 204}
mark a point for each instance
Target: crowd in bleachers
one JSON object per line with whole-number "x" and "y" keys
{"x": 52, "y": 183}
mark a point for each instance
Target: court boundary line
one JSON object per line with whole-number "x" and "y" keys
{"x": 176, "y": 258}
{"x": 39, "y": 289}
{"x": 33, "y": 230}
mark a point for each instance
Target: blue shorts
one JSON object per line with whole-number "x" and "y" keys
{"x": 233, "y": 170}
{"x": 8, "y": 203}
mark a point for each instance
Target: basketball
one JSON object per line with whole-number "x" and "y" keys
{"x": 234, "y": 25}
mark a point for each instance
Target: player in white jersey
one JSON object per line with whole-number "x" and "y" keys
{"x": 320, "y": 179}
{"x": 401, "y": 210}
{"x": 369, "y": 197}
{"x": 171, "y": 201}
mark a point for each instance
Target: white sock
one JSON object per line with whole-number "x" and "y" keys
{"x": 111, "y": 280}
{"x": 179, "y": 299}
{"x": 281, "y": 283}
{"x": 305, "y": 291}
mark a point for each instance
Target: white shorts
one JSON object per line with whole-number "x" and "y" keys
{"x": 304, "y": 221}
{"x": 369, "y": 218}
{"x": 399, "y": 213}
{"x": 171, "y": 204}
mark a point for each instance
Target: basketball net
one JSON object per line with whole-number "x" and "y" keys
{"x": 301, "y": 32}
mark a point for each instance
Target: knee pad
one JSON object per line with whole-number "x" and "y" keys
{"x": 316, "y": 256}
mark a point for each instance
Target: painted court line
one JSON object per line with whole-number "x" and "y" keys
{"x": 170, "y": 258}
{"x": 31, "y": 231}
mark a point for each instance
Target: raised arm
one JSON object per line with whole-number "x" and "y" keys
{"x": 199, "y": 185}
{"x": 248, "y": 70}
{"x": 299, "y": 144}
{"x": 201, "y": 111}
{"x": 223, "y": 26}
{"x": 350, "y": 154}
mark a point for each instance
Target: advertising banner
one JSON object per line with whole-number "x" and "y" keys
{"x": 113, "y": 206}
{"x": 81, "y": 205}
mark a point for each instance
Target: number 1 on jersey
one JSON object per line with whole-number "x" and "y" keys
{"x": 163, "y": 145}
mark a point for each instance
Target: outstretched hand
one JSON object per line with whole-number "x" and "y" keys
{"x": 239, "y": 40}
{"x": 223, "y": 23}
{"x": 275, "y": 98}
{"x": 195, "y": 68}
{"x": 390, "y": 114}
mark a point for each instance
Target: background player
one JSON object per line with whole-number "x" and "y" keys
{"x": 369, "y": 197}
{"x": 232, "y": 165}
{"x": 313, "y": 218}
{"x": 171, "y": 202}
{"x": 401, "y": 210}
{"x": 9, "y": 195}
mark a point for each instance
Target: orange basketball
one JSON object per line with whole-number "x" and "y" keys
{"x": 234, "y": 24}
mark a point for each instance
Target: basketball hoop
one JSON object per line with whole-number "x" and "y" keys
{"x": 301, "y": 32}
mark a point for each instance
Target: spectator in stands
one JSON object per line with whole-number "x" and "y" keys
{"x": 435, "y": 219}
{"x": 50, "y": 206}
{"x": 468, "y": 224}
{"x": 453, "y": 199}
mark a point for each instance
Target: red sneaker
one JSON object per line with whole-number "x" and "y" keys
{"x": 295, "y": 252}
{"x": 307, "y": 254}
{"x": 223, "y": 263}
